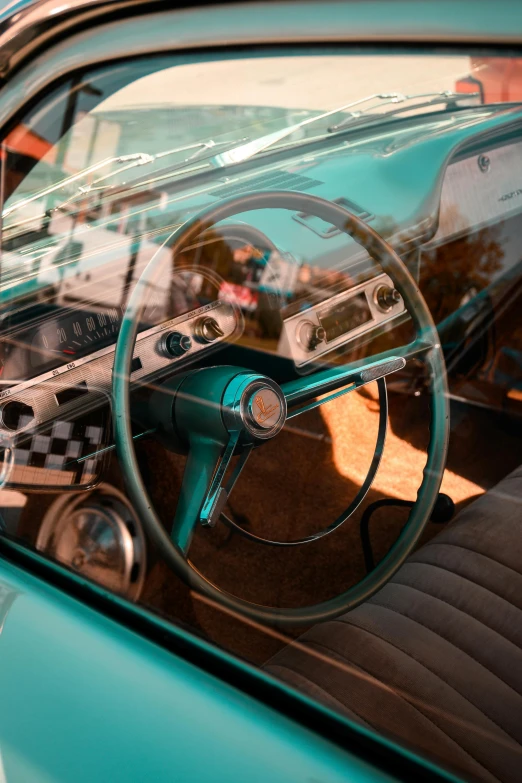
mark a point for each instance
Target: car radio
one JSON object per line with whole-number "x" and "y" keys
{"x": 340, "y": 319}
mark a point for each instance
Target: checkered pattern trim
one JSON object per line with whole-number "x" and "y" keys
{"x": 50, "y": 457}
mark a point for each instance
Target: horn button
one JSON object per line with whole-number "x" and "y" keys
{"x": 215, "y": 403}
{"x": 216, "y": 411}
{"x": 263, "y": 410}
{"x": 254, "y": 405}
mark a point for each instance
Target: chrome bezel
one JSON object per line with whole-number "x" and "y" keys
{"x": 247, "y": 417}
{"x": 302, "y": 355}
{"x": 120, "y": 511}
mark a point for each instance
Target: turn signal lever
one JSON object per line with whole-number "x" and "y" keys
{"x": 443, "y": 511}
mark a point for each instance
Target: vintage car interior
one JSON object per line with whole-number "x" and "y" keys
{"x": 261, "y": 369}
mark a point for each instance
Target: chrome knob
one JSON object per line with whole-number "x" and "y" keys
{"x": 309, "y": 335}
{"x": 207, "y": 329}
{"x": 177, "y": 344}
{"x": 386, "y": 298}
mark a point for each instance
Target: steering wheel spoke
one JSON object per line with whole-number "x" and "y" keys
{"x": 203, "y": 495}
{"x": 202, "y": 459}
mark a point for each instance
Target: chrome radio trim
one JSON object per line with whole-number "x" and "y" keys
{"x": 96, "y": 369}
{"x": 302, "y": 355}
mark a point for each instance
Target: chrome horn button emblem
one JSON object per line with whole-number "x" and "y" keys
{"x": 263, "y": 409}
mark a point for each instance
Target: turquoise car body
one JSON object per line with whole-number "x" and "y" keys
{"x": 146, "y": 713}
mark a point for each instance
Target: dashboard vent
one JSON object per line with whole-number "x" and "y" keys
{"x": 326, "y": 230}
{"x": 276, "y": 180}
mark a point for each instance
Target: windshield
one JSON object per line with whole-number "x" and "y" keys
{"x": 106, "y": 125}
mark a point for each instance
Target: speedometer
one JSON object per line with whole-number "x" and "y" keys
{"x": 75, "y": 335}
{"x": 59, "y": 336}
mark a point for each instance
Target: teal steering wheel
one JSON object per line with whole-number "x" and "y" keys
{"x": 217, "y": 412}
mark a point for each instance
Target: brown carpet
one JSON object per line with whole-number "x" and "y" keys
{"x": 295, "y": 485}
{"x": 301, "y": 482}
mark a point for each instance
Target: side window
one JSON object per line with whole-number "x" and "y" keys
{"x": 261, "y": 369}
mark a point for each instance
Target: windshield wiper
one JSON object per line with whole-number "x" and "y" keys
{"x": 450, "y": 99}
{"x": 136, "y": 159}
{"x": 179, "y": 168}
{"x": 124, "y": 162}
{"x": 243, "y": 152}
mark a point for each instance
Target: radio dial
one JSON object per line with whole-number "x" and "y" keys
{"x": 386, "y": 298}
{"x": 310, "y": 335}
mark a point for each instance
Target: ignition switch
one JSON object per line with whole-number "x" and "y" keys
{"x": 207, "y": 329}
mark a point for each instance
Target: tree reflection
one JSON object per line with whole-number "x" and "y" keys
{"x": 451, "y": 273}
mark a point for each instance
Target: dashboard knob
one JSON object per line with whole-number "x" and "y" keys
{"x": 387, "y": 297}
{"x": 16, "y": 414}
{"x": 310, "y": 335}
{"x": 207, "y": 329}
{"x": 177, "y": 344}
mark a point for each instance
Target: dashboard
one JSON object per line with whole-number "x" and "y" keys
{"x": 234, "y": 286}
{"x": 63, "y": 360}
{"x": 286, "y": 285}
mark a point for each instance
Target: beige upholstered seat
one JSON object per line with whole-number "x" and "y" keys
{"x": 435, "y": 658}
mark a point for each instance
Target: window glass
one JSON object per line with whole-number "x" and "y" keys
{"x": 265, "y": 225}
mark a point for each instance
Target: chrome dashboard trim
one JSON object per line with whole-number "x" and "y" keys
{"x": 96, "y": 369}
{"x": 14, "y": 390}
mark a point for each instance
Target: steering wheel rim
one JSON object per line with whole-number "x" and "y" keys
{"x": 426, "y": 341}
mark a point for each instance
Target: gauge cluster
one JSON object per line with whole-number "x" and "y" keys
{"x": 76, "y": 334}
{"x": 45, "y": 336}
{"x": 57, "y": 358}
{"x": 66, "y": 336}
{"x": 158, "y": 350}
